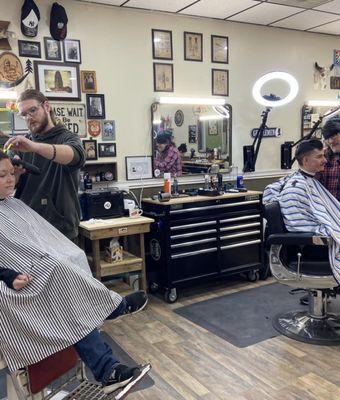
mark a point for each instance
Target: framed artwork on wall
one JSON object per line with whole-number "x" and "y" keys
{"x": 90, "y": 147}
{"x": 109, "y": 130}
{"x": 29, "y": 49}
{"x": 52, "y": 49}
{"x": 72, "y": 51}
{"x": 95, "y": 106}
{"x": 220, "y": 82}
{"x": 57, "y": 81}
{"x": 163, "y": 78}
{"x": 219, "y": 49}
{"x": 107, "y": 149}
{"x": 88, "y": 81}
{"x": 161, "y": 44}
{"x": 138, "y": 167}
{"x": 193, "y": 46}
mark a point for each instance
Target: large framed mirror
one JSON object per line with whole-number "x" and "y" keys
{"x": 191, "y": 139}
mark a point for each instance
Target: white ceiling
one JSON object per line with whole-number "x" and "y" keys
{"x": 322, "y": 16}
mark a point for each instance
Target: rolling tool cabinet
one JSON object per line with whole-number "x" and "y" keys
{"x": 196, "y": 238}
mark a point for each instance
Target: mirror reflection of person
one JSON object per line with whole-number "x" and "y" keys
{"x": 182, "y": 148}
{"x": 168, "y": 158}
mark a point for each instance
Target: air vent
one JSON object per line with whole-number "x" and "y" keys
{"x": 300, "y": 3}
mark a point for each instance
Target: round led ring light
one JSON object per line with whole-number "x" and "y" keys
{"x": 293, "y": 89}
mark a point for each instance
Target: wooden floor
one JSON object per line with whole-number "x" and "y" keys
{"x": 190, "y": 363}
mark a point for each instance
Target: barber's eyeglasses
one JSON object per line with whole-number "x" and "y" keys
{"x": 31, "y": 112}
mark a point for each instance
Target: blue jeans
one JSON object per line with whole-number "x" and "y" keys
{"x": 96, "y": 354}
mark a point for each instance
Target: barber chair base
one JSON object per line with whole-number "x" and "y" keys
{"x": 301, "y": 326}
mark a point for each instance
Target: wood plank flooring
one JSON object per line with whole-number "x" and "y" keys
{"x": 190, "y": 363}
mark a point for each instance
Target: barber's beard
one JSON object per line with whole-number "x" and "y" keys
{"x": 37, "y": 127}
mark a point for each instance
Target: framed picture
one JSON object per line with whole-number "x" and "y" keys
{"x": 95, "y": 106}
{"x": 109, "y": 130}
{"x": 29, "y": 49}
{"x": 88, "y": 81}
{"x": 94, "y": 127}
{"x": 193, "y": 46}
{"x": 52, "y": 49}
{"x": 220, "y": 82}
{"x": 72, "y": 51}
{"x": 57, "y": 81}
{"x": 161, "y": 44}
{"x": 219, "y": 49}
{"x": 90, "y": 147}
{"x": 107, "y": 149}
{"x": 138, "y": 167}
{"x": 163, "y": 77}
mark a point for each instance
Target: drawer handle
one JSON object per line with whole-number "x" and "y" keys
{"x": 185, "y": 235}
{"x": 122, "y": 230}
{"x": 236, "y": 235}
{"x": 175, "y": 246}
{"x": 192, "y": 253}
{"x": 241, "y": 203}
{"x": 176, "y": 228}
{"x": 232, "y": 228}
{"x": 246, "y": 217}
{"x": 243, "y": 244}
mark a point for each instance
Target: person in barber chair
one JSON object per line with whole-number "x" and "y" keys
{"x": 49, "y": 299}
{"x": 168, "y": 158}
{"x": 306, "y": 205}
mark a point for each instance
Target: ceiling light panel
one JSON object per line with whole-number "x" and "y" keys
{"x": 159, "y": 5}
{"x": 305, "y": 20}
{"x": 300, "y": 3}
{"x": 264, "y": 14}
{"x": 332, "y": 6}
{"x": 333, "y": 28}
{"x": 219, "y": 9}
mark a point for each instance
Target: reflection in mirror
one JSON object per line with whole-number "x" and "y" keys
{"x": 310, "y": 115}
{"x": 191, "y": 139}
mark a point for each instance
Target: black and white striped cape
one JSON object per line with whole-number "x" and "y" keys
{"x": 61, "y": 305}
{"x": 307, "y": 206}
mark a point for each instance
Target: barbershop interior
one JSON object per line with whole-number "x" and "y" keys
{"x": 169, "y": 199}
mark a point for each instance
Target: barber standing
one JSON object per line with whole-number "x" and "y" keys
{"x": 59, "y": 155}
{"x": 330, "y": 177}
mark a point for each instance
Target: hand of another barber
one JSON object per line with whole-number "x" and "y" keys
{"x": 21, "y": 143}
{"x": 21, "y": 281}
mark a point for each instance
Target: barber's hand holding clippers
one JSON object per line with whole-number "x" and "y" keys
{"x": 20, "y": 143}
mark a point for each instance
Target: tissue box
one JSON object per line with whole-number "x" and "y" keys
{"x": 114, "y": 254}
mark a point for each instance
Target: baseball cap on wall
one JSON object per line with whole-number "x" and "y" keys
{"x": 58, "y": 22}
{"x": 30, "y": 17}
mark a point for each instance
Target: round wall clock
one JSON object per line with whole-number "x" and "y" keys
{"x": 179, "y": 117}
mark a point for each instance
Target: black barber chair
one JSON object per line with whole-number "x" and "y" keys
{"x": 300, "y": 260}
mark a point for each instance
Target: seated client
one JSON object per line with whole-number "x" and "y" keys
{"x": 168, "y": 158}
{"x": 306, "y": 205}
{"x": 49, "y": 299}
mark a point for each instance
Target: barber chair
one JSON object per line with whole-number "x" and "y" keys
{"x": 41, "y": 381}
{"x": 295, "y": 261}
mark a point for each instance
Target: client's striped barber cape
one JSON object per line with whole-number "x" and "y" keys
{"x": 307, "y": 206}
{"x": 61, "y": 305}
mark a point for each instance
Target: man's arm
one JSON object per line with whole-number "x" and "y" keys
{"x": 13, "y": 279}
{"x": 60, "y": 153}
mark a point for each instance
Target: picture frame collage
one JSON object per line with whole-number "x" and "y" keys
{"x": 162, "y": 50}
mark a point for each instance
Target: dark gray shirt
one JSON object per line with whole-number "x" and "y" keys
{"x": 54, "y": 193}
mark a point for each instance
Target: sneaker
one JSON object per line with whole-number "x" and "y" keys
{"x": 135, "y": 302}
{"x": 125, "y": 378}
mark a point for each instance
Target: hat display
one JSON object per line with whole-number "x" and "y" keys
{"x": 30, "y": 17}
{"x": 58, "y": 22}
{"x": 331, "y": 127}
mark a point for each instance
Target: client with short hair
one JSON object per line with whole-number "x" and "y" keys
{"x": 49, "y": 299}
{"x": 306, "y": 205}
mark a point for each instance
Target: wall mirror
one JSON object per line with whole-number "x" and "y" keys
{"x": 311, "y": 113}
{"x": 191, "y": 139}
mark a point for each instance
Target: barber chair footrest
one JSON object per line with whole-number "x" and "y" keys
{"x": 299, "y": 325}
{"x": 89, "y": 391}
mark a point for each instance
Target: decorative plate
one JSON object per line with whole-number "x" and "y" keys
{"x": 179, "y": 117}
{"x": 10, "y": 67}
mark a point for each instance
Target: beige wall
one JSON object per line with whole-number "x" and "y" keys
{"x": 117, "y": 44}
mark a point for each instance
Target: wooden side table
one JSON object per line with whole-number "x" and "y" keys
{"x": 111, "y": 228}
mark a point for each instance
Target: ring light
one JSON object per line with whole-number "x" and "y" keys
{"x": 293, "y": 89}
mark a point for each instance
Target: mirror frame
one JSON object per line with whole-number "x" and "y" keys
{"x": 154, "y": 107}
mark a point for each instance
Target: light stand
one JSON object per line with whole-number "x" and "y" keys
{"x": 286, "y": 148}
{"x": 251, "y": 152}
